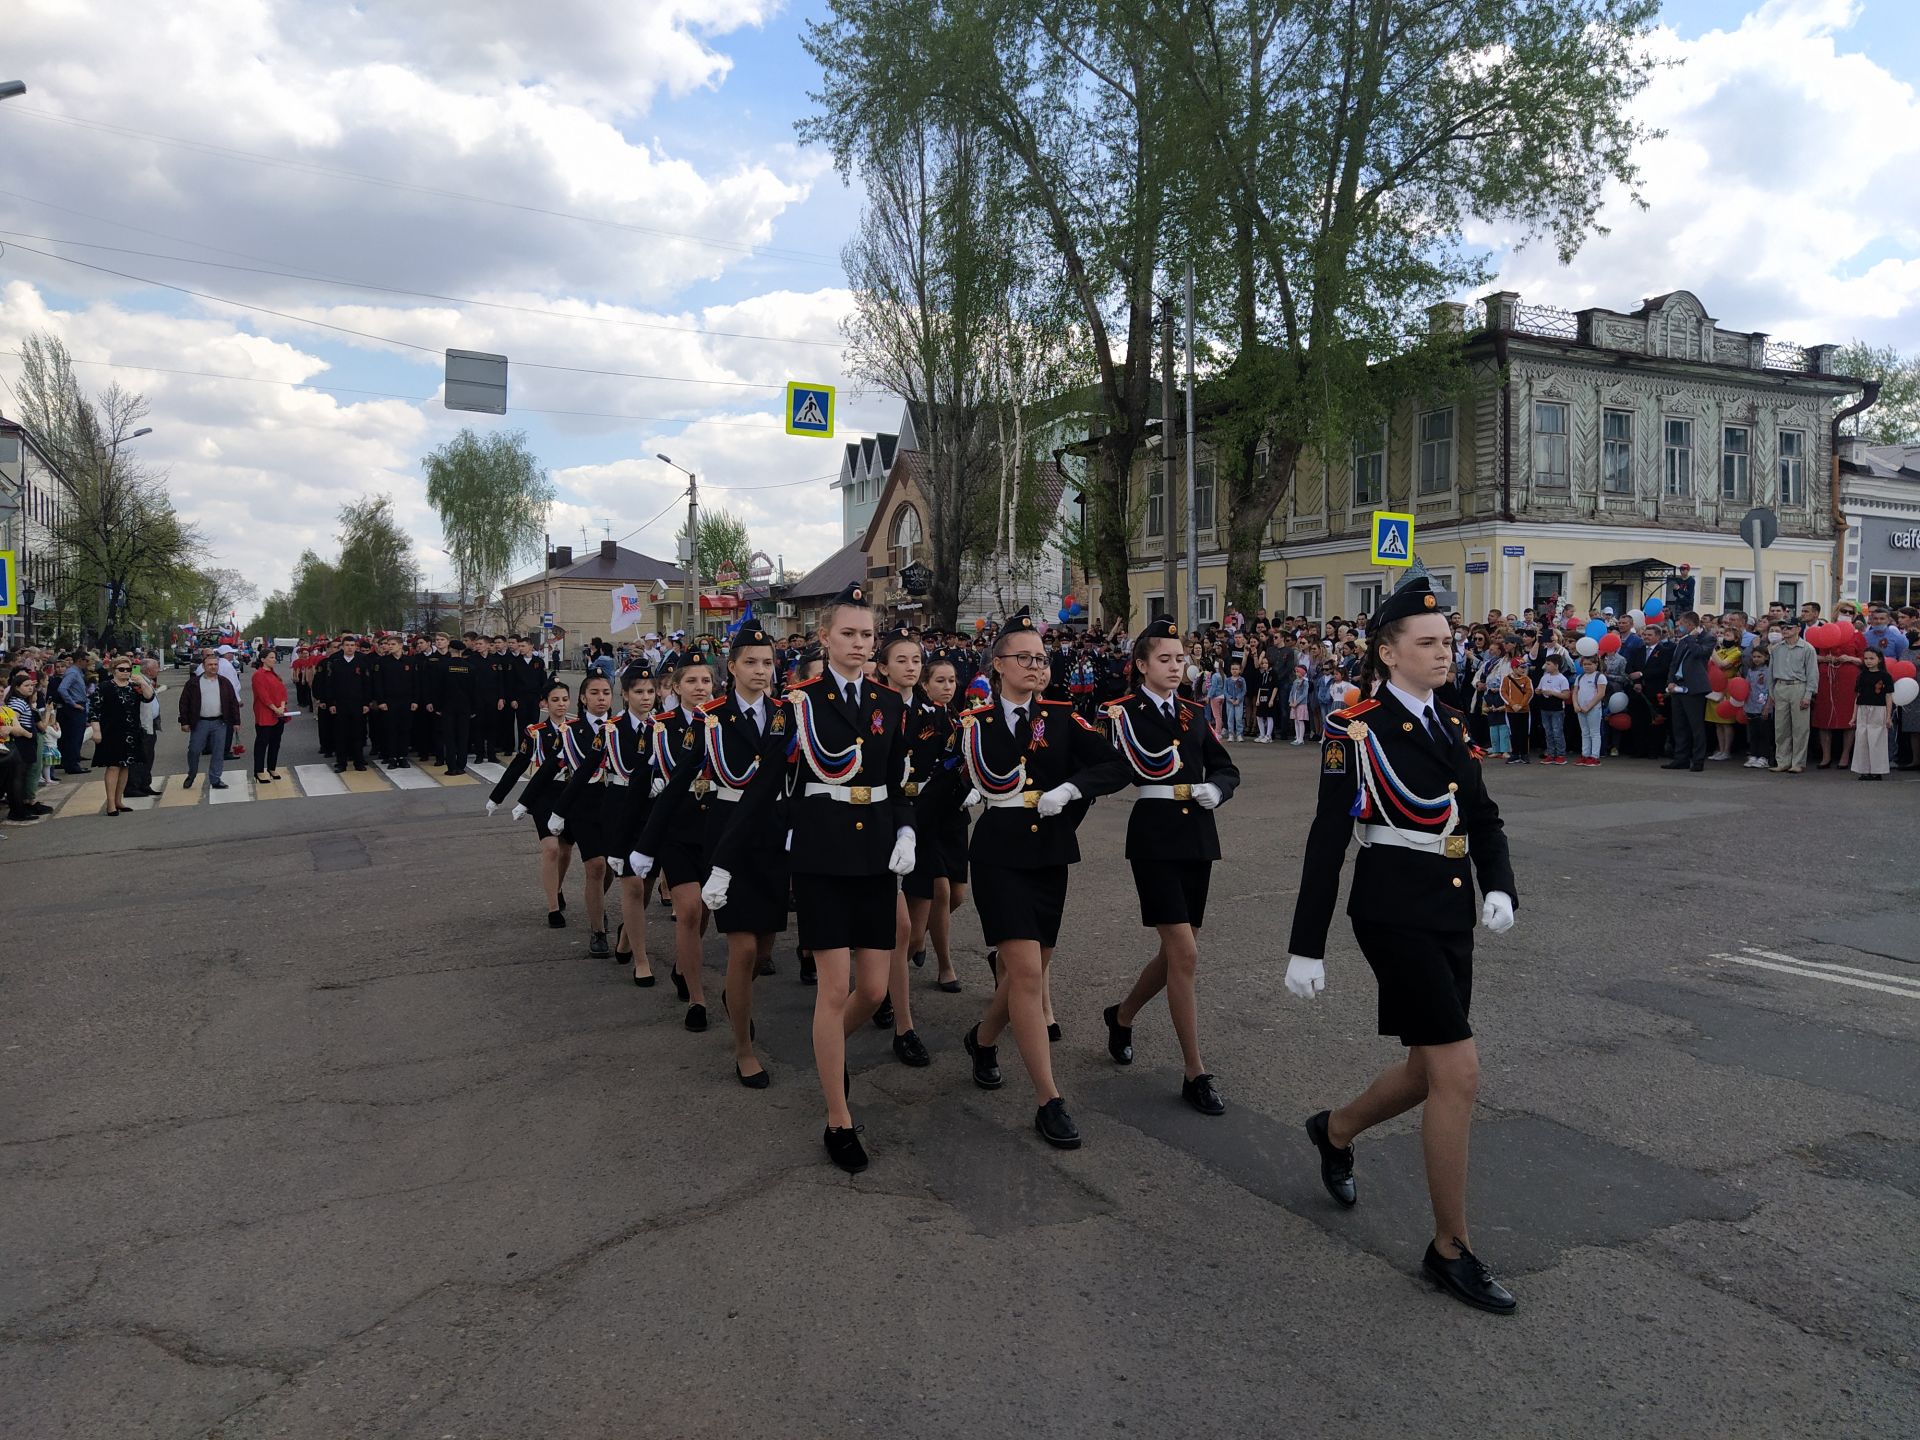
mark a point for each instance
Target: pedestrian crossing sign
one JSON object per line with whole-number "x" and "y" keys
{"x": 809, "y": 409}
{"x": 1392, "y": 538}
{"x": 9, "y": 600}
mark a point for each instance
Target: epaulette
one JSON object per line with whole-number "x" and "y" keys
{"x": 801, "y": 685}
{"x": 1354, "y": 712}
{"x": 882, "y": 685}
{"x": 1195, "y": 704}
{"x": 1067, "y": 703}
{"x": 531, "y": 729}
{"x": 714, "y": 704}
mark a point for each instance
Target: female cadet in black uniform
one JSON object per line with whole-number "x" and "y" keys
{"x": 934, "y": 891}
{"x": 851, "y": 834}
{"x": 1400, "y": 765}
{"x": 629, "y": 770}
{"x": 1181, "y": 773}
{"x": 577, "y": 811}
{"x": 1037, "y": 767}
{"x": 677, "y": 833}
{"x": 898, "y": 665}
{"x": 806, "y": 666}
{"x": 738, "y": 734}
{"x": 540, "y": 750}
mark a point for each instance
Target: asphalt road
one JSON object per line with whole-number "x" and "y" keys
{"x": 314, "y": 1129}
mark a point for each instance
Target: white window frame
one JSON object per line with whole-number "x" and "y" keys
{"x": 1206, "y": 608}
{"x": 1736, "y": 466}
{"x": 1377, "y": 469}
{"x": 1358, "y": 602}
{"x": 1533, "y": 598}
{"x": 1157, "y": 597}
{"x": 1156, "y": 522}
{"x": 1742, "y": 580}
{"x": 1797, "y": 584}
{"x": 1311, "y": 603}
{"x": 898, "y": 555}
{"x": 1676, "y": 482}
{"x": 1562, "y": 478}
{"x": 1612, "y": 446}
{"x": 1792, "y": 479}
{"x": 1205, "y": 515}
{"x": 1433, "y": 473}
{"x": 1910, "y": 579}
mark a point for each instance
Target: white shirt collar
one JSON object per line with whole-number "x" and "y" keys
{"x": 755, "y": 708}
{"x": 1407, "y": 698}
{"x": 1008, "y": 706}
{"x": 841, "y": 682}
{"x": 1162, "y": 703}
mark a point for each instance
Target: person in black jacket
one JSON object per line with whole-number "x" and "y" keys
{"x": 453, "y": 698}
{"x": 351, "y": 690}
{"x": 488, "y": 702}
{"x": 1037, "y": 768}
{"x": 1181, "y": 774}
{"x": 1687, "y": 687}
{"x": 1399, "y": 765}
{"x": 397, "y": 703}
{"x": 428, "y": 727}
{"x": 542, "y": 751}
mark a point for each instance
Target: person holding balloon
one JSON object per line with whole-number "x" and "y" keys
{"x": 1873, "y": 688}
{"x": 1841, "y": 648}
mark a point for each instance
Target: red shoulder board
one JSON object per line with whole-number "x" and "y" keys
{"x": 1084, "y": 723}
{"x": 1067, "y": 703}
{"x": 801, "y": 685}
{"x": 1353, "y": 712}
{"x": 1190, "y": 704}
{"x": 714, "y": 704}
{"x": 532, "y": 729}
{"x": 882, "y": 685}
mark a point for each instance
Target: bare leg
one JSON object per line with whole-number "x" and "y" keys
{"x": 116, "y": 786}
{"x": 1846, "y": 749}
{"x": 1453, "y": 1080}
{"x": 897, "y": 986}
{"x": 1394, "y": 1092}
{"x": 1018, "y": 1002}
{"x": 633, "y": 922}
{"x": 872, "y": 972}
{"x": 566, "y": 864}
{"x": 1046, "y": 988}
{"x": 948, "y": 898}
{"x": 596, "y": 895}
{"x": 552, "y": 867}
{"x": 689, "y": 920}
{"x": 830, "y": 1033}
{"x": 1181, "y": 949}
{"x": 1153, "y": 979}
{"x": 742, "y": 953}
{"x": 919, "y": 921}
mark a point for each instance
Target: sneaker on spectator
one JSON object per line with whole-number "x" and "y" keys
{"x": 1721, "y": 755}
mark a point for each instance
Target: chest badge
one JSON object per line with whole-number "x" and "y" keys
{"x": 879, "y": 723}
{"x": 1039, "y": 741}
{"x": 686, "y": 738}
{"x": 1333, "y": 760}
{"x": 778, "y": 725}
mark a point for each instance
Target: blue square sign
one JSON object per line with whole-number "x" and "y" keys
{"x": 809, "y": 409}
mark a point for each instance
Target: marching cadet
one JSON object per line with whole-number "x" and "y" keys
{"x": 430, "y": 729}
{"x": 852, "y": 834}
{"x": 398, "y": 701}
{"x": 1037, "y": 767}
{"x": 739, "y": 733}
{"x": 943, "y": 821}
{"x": 1400, "y": 765}
{"x": 541, "y": 751}
{"x": 629, "y": 767}
{"x": 577, "y": 810}
{"x": 807, "y": 665}
{"x": 928, "y": 755}
{"x": 352, "y": 689}
{"x": 674, "y": 840}
{"x": 323, "y": 723}
{"x": 1181, "y": 774}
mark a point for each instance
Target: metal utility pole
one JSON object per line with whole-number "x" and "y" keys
{"x": 1169, "y": 564}
{"x": 691, "y": 589}
{"x": 1193, "y": 533}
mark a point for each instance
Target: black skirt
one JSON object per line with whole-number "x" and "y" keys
{"x": 845, "y": 912}
{"x": 1020, "y": 904}
{"x": 540, "y": 818}
{"x": 1425, "y": 978}
{"x": 1172, "y": 892}
{"x": 586, "y": 825}
{"x": 941, "y": 854}
{"x": 756, "y": 896}
{"x": 684, "y": 862}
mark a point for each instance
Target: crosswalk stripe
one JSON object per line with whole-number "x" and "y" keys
{"x": 412, "y": 778}
{"x": 365, "y": 782}
{"x": 488, "y": 771}
{"x": 320, "y": 780}
{"x": 147, "y": 802}
{"x": 176, "y": 793}
{"x": 464, "y": 778}
{"x": 87, "y": 799}
{"x": 282, "y": 789}
{"x": 1820, "y": 975}
{"x": 1829, "y": 965}
{"x": 239, "y": 790}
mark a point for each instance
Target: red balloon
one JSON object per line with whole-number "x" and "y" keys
{"x": 1716, "y": 677}
{"x": 1738, "y": 689}
{"x": 1609, "y": 643}
{"x": 1903, "y": 670}
{"x": 1622, "y": 721}
{"x": 1728, "y": 712}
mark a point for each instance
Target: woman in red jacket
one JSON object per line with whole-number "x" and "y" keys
{"x": 269, "y": 719}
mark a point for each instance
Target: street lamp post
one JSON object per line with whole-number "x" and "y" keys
{"x": 691, "y": 589}
{"x": 27, "y": 597}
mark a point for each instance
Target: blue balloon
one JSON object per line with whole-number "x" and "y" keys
{"x": 1655, "y": 606}
{"x": 1596, "y": 628}
{"x": 1065, "y": 613}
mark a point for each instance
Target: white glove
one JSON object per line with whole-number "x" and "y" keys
{"x": 616, "y": 864}
{"x": 653, "y": 790}
{"x": 713, "y": 894}
{"x": 972, "y": 802}
{"x": 1497, "y": 913}
{"x": 640, "y": 865}
{"x": 1305, "y": 977}
{"x": 556, "y": 824}
{"x": 901, "y": 861}
{"x": 519, "y": 813}
{"x": 491, "y": 807}
{"x": 1206, "y": 795}
{"x": 1057, "y": 799}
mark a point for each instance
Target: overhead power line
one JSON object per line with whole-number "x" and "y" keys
{"x": 310, "y": 167}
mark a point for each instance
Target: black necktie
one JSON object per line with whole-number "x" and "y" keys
{"x": 1167, "y": 710}
{"x": 753, "y": 720}
{"x": 853, "y": 697}
{"x": 1022, "y": 731}
{"x": 1435, "y": 729}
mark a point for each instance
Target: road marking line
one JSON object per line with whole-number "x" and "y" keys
{"x": 177, "y": 794}
{"x": 1819, "y": 975}
{"x": 465, "y": 777}
{"x": 239, "y": 790}
{"x": 320, "y": 780}
{"x": 488, "y": 771}
{"x": 1829, "y": 965}
{"x": 89, "y": 798}
{"x": 365, "y": 782}
{"x": 281, "y": 789}
{"x": 412, "y": 778}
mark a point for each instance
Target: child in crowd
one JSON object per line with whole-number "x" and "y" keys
{"x": 1216, "y": 696}
{"x": 1872, "y": 691}
{"x": 1297, "y": 697}
{"x": 1551, "y": 697}
{"x": 1233, "y": 692}
{"x": 1516, "y": 700}
{"x": 1759, "y": 708}
{"x": 1590, "y": 706}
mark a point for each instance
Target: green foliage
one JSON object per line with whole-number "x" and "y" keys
{"x": 492, "y": 498}
{"x": 723, "y": 540}
{"x": 376, "y": 575}
{"x": 1894, "y": 418}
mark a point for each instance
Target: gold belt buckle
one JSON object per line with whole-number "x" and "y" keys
{"x": 1456, "y": 847}
{"x": 912, "y": 788}
{"x": 702, "y": 785}
{"x": 1031, "y": 799}
{"x": 1183, "y": 792}
{"x": 860, "y": 794}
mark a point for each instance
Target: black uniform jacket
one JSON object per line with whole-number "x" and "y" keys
{"x": 686, "y": 801}
{"x": 935, "y": 783}
{"x": 396, "y": 680}
{"x": 1176, "y": 829}
{"x": 1413, "y": 889}
{"x": 348, "y": 684}
{"x": 830, "y": 837}
{"x": 540, "y": 749}
{"x": 1063, "y": 747}
{"x": 453, "y": 695}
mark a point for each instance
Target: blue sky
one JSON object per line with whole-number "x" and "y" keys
{"x": 1782, "y": 196}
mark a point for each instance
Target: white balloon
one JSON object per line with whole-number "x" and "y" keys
{"x": 1906, "y": 690}
{"x": 1616, "y": 703}
{"x": 1587, "y": 645}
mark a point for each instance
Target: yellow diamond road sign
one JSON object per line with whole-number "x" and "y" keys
{"x": 1392, "y": 538}
{"x": 809, "y": 409}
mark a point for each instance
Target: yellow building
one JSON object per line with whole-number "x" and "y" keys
{"x": 1598, "y": 454}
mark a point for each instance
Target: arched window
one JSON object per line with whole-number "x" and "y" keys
{"x": 905, "y": 544}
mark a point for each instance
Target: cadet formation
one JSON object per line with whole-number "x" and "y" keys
{"x": 857, "y": 801}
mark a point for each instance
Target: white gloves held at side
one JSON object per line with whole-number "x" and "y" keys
{"x": 519, "y": 813}
{"x": 1306, "y": 978}
{"x": 713, "y": 894}
{"x": 901, "y": 861}
{"x": 972, "y": 802}
{"x": 556, "y": 824}
{"x": 640, "y": 866}
{"x": 1057, "y": 799}
{"x": 653, "y": 790}
{"x": 1497, "y": 913}
{"x": 1207, "y": 795}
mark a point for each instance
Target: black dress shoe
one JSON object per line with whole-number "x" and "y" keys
{"x": 187, "y": 784}
{"x": 920, "y": 956}
{"x": 765, "y": 967}
{"x": 645, "y": 981}
{"x": 1056, "y": 1127}
{"x": 623, "y": 957}
{"x": 339, "y": 769}
{"x": 757, "y": 1081}
{"x": 696, "y": 1018}
{"x": 808, "y": 976}
{"x": 216, "y": 784}
{"x": 680, "y": 985}
{"x": 952, "y": 987}
{"x": 1675, "y": 765}
{"x": 1053, "y": 1033}
{"x": 845, "y": 1150}
{"x": 1203, "y": 1095}
{"x": 883, "y": 1017}
{"x": 1119, "y": 1037}
{"x": 986, "y": 1061}
{"x": 909, "y": 1050}
{"x": 1336, "y": 1165}
{"x": 556, "y": 920}
{"x": 1467, "y": 1280}
{"x": 597, "y": 945}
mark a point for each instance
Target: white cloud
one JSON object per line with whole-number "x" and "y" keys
{"x": 1785, "y": 159}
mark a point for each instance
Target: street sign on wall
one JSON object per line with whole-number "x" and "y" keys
{"x": 809, "y": 409}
